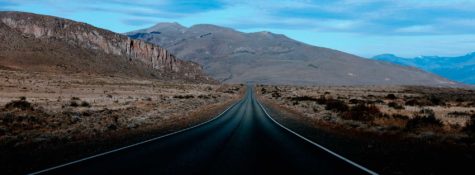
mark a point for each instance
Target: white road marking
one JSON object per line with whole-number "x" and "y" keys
{"x": 316, "y": 144}
{"x": 136, "y": 144}
{"x": 189, "y": 128}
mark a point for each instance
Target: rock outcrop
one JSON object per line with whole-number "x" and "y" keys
{"x": 89, "y": 37}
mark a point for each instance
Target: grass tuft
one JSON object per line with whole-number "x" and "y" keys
{"x": 19, "y": 104}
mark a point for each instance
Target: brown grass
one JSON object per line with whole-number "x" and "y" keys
{"x": 64, "y": 117}
{"x": 381, "y": 109}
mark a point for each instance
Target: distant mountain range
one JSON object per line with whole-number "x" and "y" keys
{"x": 32, "y": 42}
{"x": 461, "y": 68}
{"x": 39, "y": 43}
{"x": 264, "y": 57}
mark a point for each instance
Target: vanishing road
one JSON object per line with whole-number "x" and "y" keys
{"x": 242, "y": 140}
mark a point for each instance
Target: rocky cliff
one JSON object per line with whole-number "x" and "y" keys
{"x": 88, "y": 37}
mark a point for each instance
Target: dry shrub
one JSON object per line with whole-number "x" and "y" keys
{"x": 427, "y": 100}
{"x": 413, "y": 102}
{"x": 400, "y": 116}
{"x": 322, "y": 100}
{"x": 391, "y": 97}
{"x": 424, "y": 119}
{"x": 470, "y": 126}
{"x": 302, "y": 98}
{"x": 356, "y": 101}
{"x": 232, "y": 90}
{"x": 362, "y": 112}
{"x": 276, "y": 94}
{"x": 229, "y": 91}
{"x": 336, "y": 105}
{"x": 395, "y": 105}
{"x": 183, "y": 96}
{"x": 73, "y": 104}
{"x": 19, "y": 104}
{"x": 85, "y": 104}
{"x": 263, "y": 91}
{"x": 436, "y": 100}
{"x": 203, "y": 96}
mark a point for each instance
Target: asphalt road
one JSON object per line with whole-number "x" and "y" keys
{"x": 243, "y": 140}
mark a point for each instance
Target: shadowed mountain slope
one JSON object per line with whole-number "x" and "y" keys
{"x": 235, "y": 57}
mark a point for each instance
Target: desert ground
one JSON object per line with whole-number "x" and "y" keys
{"x": 419, "y": 112}
{"x": 395, "y": 129}
{"x": 43, "y": 112}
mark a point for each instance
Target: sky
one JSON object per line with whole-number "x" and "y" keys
{"x": 407, "y": 28}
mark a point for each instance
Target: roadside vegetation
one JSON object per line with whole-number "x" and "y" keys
{"x": 442, "y": 114}
{"x": 68, "y": 116}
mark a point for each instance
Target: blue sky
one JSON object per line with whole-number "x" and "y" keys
{"x": 364, "y": 27}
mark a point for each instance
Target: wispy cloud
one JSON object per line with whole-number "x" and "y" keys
{"x": 144, "y": 8}
{"x": 7, "y": 5}
{"x": 383, "y": 17}
{"x": 138, "y": 21}
{"x": 348, "y": 19}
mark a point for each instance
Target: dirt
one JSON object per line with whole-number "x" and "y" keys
{"x": 47, "y": 119}
{"x": 397, "y": 151}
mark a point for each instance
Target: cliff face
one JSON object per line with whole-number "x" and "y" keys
{"x": 89, "y": 37}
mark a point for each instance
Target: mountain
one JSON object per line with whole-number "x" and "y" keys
{"x": 44, "y": 43}
{"x": 461, "y": 68}
{"x": 236, "y": 57}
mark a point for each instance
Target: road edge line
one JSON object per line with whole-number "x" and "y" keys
{"x": 135, "y": 144}
{"x": 316, "y": 144}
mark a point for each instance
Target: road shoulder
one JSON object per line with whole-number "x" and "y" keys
{"x": 383, "y": 154}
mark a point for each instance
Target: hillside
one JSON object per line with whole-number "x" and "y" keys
{"x": 235, "y": 57}
{"x": 32, "y": 42}
{"x": 461, "y": 68}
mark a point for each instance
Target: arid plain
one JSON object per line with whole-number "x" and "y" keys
{"x": 395, "y": 129}
{"x": 42, "y": 113}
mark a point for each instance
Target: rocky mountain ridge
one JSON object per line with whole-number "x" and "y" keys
{"x": 232, "y": 56}
{"x": 88, "y": 37}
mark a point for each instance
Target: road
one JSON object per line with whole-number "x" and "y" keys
{"x": 242, "y": 140}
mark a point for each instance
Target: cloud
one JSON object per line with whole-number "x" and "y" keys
{"x": 194, "y": 6}
{"x": 162, "y": 8}
{"x": 416, "y": 29}
{"x": 376, "y": 17}
{"x": 138, "y": 21}
{"x": 7, "y": 5}
{"x": 383, "y": 17}
{"x": 390, "y": 23}
{"x": 135, "y": 12}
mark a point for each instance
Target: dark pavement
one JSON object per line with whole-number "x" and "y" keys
{"x": 243, "y": 140}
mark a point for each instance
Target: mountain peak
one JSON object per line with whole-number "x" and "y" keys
{"x": 459, "y": 68}
{"x": 167, "y": 25}
{"x": 210, "y": 27}
{"x": 265, "y": 33}
{"x": 269, "y": 34}
{"x": 471, "y": 54}
{"x": 264, "y": 57}
{"x": 385, "y": 56}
